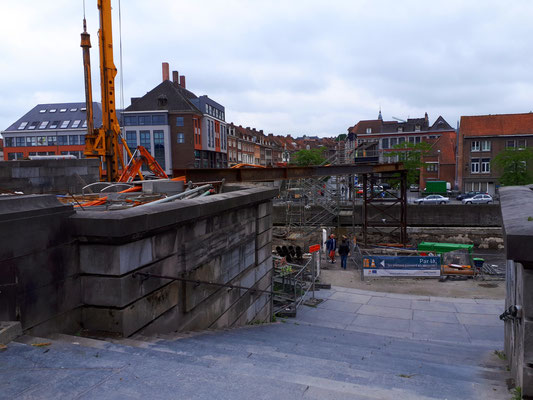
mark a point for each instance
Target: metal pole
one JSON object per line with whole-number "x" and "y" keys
{"x": 365, "y": 211}
{"x": 176, "y": 196}
{"x": 313, "y": 262}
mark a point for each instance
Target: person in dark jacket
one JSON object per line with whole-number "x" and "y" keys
{"x": 344, "y": 251}
{"x": 331, "y": 246}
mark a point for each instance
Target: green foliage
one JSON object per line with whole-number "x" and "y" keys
{"x": 517, "y": 393}
{"x": 513, "y": 165}
{"x": 342, "y": 136}
{"x": 500, "y": 354}
{"x": 411, "y": 154}
{"x": 304, "y": 158}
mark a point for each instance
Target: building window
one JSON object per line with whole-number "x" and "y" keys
{"x": 418, "y": 139}
{"x": 474, "y": 146}
{"x": 54, "y": 124}
{"x": 131, "y": 139}
{"x": 432, "y": 167}
{"x": 401, "y": 140}
{"x": 82, "y": 139}
{"x": 43, "y": 124}
{"x": 158, "y": 120}
{"x": 31, "y": 141}
{"x": 145, "y": 120}
{"x": 368, "y": 130}
{"x": 400, "y": 129}
{"x": 521, "y": 144}
{"x": 42, "y": 111}
{"x": 22, "y": 126}
{"x": 417, "y": 128}
{"x": 510, "y": 144}
{"x": 64, "y": 124}
{"x": 73, "y": 109}
{"x": 474, "y": 165}
{"x": 52, "y": 110}
{"x": 180, "y": 121}
{"x": 52, "y": 140}
{"x": 63, "y": 110}
{"x": 181, "y": 138}
{"x": 130, "y": 120}
{"x": 33, "y": 125}
{"x": 84, "y": 124}
{"x": 14, "y": 156}
{"x": 73, "y": 140}
{"x": 76, "y": 123}
{"x": 485, "y": 165}
{"x": 62, "y": 140}
{"x": 20, "y": 141}
{"x": 41, "y": 141}
{"x": 159, "y": 148}
{"x": 385, "y": 143}
{"x": 145, "y": 140}
{"x": 411, "y": 139}
{"x": 9, "y": 142}
{"x": 485, "y": 145}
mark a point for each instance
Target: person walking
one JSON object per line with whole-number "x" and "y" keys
{"x": 344, "y": 251}
{"x": 331, "y": 246}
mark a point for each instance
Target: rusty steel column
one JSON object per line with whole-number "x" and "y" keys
{"x": 403, "y": 210}
{"x": 365, "y": 210}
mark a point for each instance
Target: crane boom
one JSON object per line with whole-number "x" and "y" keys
{"x": 103, "y": 142}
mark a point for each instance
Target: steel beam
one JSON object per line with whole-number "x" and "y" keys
{"x": 282, "y": 173}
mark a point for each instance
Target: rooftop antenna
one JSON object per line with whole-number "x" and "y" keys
{"x": 399, "y": 119}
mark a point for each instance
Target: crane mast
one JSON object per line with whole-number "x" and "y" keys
{"x": 103, "y": 142}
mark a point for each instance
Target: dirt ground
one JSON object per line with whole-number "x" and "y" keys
{"x": 470, "y": 288}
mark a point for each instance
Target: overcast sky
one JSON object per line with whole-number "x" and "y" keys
{"x": 289, "y": 66}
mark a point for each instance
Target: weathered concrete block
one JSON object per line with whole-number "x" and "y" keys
{"x": 263, "y": 253}
{"x": 264, "y": 238}
{"x": 115, "y": 259}
{"x": 21, "y": 172}
{"x": 264, "y": 209}
{"x": 163, "y": 186}
{"x": 119, "y": 291}
{"x": 264, "y": 224}
{"x": 130, "y": 319}
{"x": 165, "y": 244}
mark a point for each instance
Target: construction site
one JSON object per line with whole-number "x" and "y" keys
{"x": 119, "y": 280}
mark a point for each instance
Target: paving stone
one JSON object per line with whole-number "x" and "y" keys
{"x": 358, "y": 291}
{"x": 316, "y": 315}
{"x": 439, "y": 331}
{"x": 336, "y": 305}
{"x": 479, "y": 319}
{"x": 479, "y": 308}
{"x": 407, "y": 296}
{"x": 451, "y": 300}
{"x": 382, "y": 332}
{"x": 482, "y": 333}
{"x": 350, "y": 297}
{"x": 490, "y": 301}
{"x": 433, "y": 306}
{"x": 380, "y": 311}
{"x": 435, "y": 316}
{"x": 390, "y": 302}
{"x": 387, "y": 324}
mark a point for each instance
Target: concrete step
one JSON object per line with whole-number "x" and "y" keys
{"x": 9, "y": 330}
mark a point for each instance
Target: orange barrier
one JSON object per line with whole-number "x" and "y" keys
{"x": 98, "y": 202}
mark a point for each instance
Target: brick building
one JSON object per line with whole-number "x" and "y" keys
{"x": 481, "y": 138}
{"x": 180, "y": 129}
{"x": 49, "y": 129}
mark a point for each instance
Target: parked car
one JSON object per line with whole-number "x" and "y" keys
{"x": 413, "y": 188}
{"x": 467, "y": 195}
{"x": 433, "y": 199}
{"x": 478, "y": 199}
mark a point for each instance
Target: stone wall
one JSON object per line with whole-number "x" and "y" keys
{"x": 61, "y": 271}
{"x": 458, "y": 215}
{"x": 39, "y": 267}
{"x": 517, "y": 214}
{"x": 47, "y": 176}
{"x": 223, "y": 239}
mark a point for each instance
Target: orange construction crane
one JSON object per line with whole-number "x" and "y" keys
{"x": 141, "y": 156}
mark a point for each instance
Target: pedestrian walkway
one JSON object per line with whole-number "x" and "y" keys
{"x": 407, "y": 316}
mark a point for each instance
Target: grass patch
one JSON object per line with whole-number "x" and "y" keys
{"x": 517, "y": 393}
{"x": 500, "y": 354}
{"x": 406, "y": 376}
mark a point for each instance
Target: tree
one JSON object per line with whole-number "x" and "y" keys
{"x": 411, "y": 154}
{"x": 305, "y": 158}
{"x": 342, "y": 136}
{"x": 513, "y": 165}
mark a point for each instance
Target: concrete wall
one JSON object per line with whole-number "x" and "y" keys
{"x": 61, "y": 271}
{"x": 517, "y": 212}
{"x": 224, "y": 239}
{"x": 39, "y": 266}
{"x": 47, "y": 176}
{"x": 479, "y": 215}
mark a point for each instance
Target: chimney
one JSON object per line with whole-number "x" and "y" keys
{"x": 175, "y": 78}
{"x": 182, "y": 82}
{"x": 165, "y": 72}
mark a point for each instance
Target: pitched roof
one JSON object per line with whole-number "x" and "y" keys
{"x": 498, "y": 124}
{"x": 57, "y": 112}
{"x": 177, "y": 99}
{"x": 379, "y": 126}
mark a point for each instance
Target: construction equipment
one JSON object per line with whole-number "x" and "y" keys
{"x": 141, "y": 157}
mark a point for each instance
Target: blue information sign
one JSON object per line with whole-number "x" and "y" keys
{"x": 401, "y": 266}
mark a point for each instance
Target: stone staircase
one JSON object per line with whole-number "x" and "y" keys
{"x": 293, "y": 359}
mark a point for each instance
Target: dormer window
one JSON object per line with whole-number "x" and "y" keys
{"x": 368, "y": 130}
{"x": 417, "y": 128}
{"x": 400, "y": 129}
